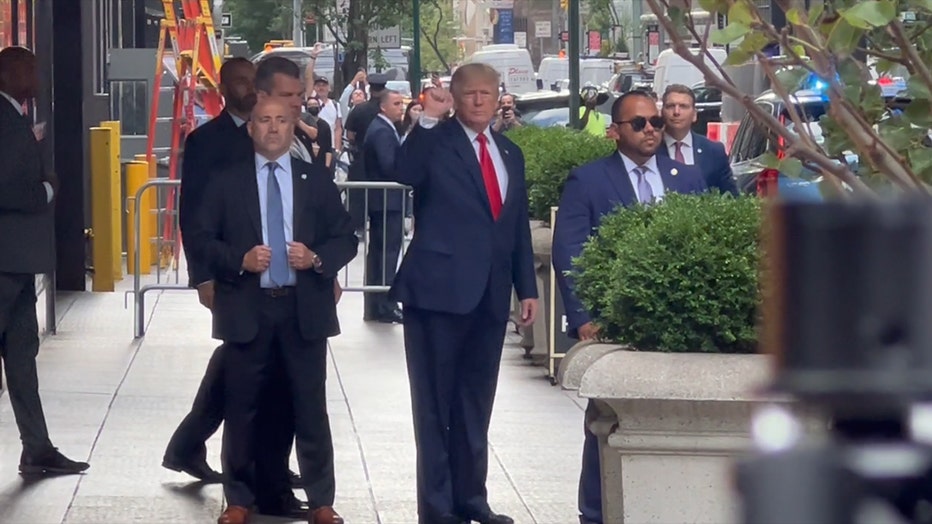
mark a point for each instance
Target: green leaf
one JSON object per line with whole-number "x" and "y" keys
{"x": 917, "y": 89}
{"x": 740, "y": 13}
{"x": 677, "y": 15}
{"x": 924, "y": 5}
{"x": 790, "y": 78}
{"x": 754, "y": 42}
{"x": 897, "y": 134}
{"x": 919, "y": 112}
{"x": 920, "y": 159}
{"x": 843, "y": 37}
{"x": 716, "y": 6}
{"x": 816, "y": 12}
{"x": 873, "y": 13}
{"x": 795, "y": 16}
{"x": 737, "y": 57}
{"x": 770, "y": 160}
{"x": 791, "y": 167}
{"x": 729, "y": 33}
{"x": 798, "y": 50}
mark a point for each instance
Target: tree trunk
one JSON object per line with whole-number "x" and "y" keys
{"x": 357, "y": 42}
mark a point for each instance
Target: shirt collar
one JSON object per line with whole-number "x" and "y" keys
{"x": 630, "y": 165}
{"x": 16, "y": 105}
{"x": 284, "y": 162}
{"x": 687, "y": 140}
{"x": 385, "y": 118}
{"x": 472, "y": 134}
{"x": 237, "y": 120}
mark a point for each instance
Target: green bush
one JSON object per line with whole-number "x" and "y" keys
{"x": 680, "y": 276}
{"x": 549, "y": 154}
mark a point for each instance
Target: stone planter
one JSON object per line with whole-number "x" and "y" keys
{"x": 534, "y": 339}
{"x": 670, "y": 426}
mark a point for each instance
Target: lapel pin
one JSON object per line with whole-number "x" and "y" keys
{"x": 303, "y": 176}
{"x": 674, "y": 172}
{"x": 699, "y": 151}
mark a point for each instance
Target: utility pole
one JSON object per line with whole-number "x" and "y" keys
{"x": 573, "y": 57}
{"x": 415, "y": 61}
{"x": 297, "y": 27}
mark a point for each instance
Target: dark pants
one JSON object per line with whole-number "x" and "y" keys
{"x": 590, "y": 479}
{"x": 249, "y": 369}
{"x": 274, "y": 428}
{"x": 19, "y": 345}
{"x": 453, "y": 363}
{"x": 386, "y": 235}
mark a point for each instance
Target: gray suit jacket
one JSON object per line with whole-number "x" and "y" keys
{"x": 27, "y": 227}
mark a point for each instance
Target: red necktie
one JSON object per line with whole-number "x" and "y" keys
{"x": 678, "y": 154}
{"x": 489, "y": 176}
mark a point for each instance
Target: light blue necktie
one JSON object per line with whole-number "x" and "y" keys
{"x": 645, "y": 192}
{"x": 275, "y": 215}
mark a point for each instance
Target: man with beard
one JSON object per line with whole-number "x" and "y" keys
{"x": 633, "y": 175}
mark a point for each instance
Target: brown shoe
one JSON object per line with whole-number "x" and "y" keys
{"x": 324, "y": 515}
{"x": 234, "y": 515}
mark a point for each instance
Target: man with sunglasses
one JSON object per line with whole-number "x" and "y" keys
{"x": 633, "y": 175}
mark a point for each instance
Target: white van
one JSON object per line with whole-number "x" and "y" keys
{"x": 592, "y": 71}
{"x": 513, "y": 63}
{"x": 671, "y": 68}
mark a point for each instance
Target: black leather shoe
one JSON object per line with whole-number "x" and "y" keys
{"x": 391, "y": 316}
{"x": 451, "y": 519}
{"x": 198, "y": 469}
{"x": 289, "y": 507}
{"x": 295, "y": 479}
{"x": 584, "y": 520}
{"x": 51, "y": 462}
{"x": 493, "y": 518}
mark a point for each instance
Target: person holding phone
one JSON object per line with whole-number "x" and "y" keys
{"x": 507, "y": 116}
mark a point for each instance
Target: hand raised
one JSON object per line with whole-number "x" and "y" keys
{"x": 257, "y": 259}
{"x": 437, "y": 102}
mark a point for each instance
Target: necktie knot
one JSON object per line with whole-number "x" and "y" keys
{"x": 271, "y": 166}
{"x": 481, "y": 139}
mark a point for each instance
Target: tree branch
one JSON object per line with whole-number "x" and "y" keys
{"x": 909, "y": 50}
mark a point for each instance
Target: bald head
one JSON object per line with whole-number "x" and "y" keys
{"x": 271, "y": 127}
{"x": 18, "y": 73}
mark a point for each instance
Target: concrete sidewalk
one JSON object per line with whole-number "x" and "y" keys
{"x": 115, "y": 401}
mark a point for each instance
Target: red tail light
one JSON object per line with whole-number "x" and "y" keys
{"x": 767, "y": 182}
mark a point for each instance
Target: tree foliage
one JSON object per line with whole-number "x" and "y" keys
{"x": 833, "y": 42}
{"x": 438, "y": 30}
{"x": 258, "y": 21}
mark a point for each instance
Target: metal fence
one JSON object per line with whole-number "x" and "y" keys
{"x": 165, "y": 236}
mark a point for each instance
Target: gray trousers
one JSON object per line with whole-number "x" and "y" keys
{"x": 19, "y": 345}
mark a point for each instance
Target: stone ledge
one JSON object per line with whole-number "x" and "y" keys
{"x": 579, "y": 359}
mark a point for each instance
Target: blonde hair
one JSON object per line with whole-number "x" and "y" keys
{"x": 473, "y": 71}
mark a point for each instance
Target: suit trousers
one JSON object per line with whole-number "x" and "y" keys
{"x": 19, "y": 346}
{"x": 590, "y": 477}
{"x": 453, "y": 364}
{"x": 249, "y": 369}
{"x": 386, "y": 236}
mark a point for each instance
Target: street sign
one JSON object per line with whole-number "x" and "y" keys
{"x": 501, "y": 4}
{"x": 564, "y": 36}
{"x": 543, "y": 29}
{"x": 226, "y": 20}
{"x": 389, "y": 38}
{"x": 521, "y": 39}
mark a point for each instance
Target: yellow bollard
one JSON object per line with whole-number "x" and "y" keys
{"x": 101, "y": 216}
{"x": 149, "y": 216}
{"x": 116, "y": 206}
{"x": 137, "y": 174}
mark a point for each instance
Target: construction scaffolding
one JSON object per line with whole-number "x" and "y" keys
{"x": 194, "y": 65}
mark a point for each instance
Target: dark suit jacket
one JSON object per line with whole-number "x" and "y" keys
{"x": 380, "y": 148}
{"x": 230, "y": 224}
{"x": 712, "y": 160}
{"x": 458, "y": 249}
{"x": 591, "y": 192}
{"x": 27, "y": 227}
{"x": 212, "y": 147}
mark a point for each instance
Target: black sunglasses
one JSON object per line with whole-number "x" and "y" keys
{"x": 638, "y": 123}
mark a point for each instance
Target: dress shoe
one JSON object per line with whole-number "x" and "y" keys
{"x": 289, "y": 506}
{"x": 234, "y": 515}
{"x": 584, "y": 520}
{"x": 324, "y": 515}
{"x": 492, "y": 518}
{"x": 198, "y": 469}
{"x": 390, "y": 316}
{"x": 451, "y": 519}
{"x": 51, "y": 461}
{"x": 295, "y": 480}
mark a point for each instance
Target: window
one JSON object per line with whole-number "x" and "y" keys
{"x": 129, "y": 99}
{"x": 751, "y": 139}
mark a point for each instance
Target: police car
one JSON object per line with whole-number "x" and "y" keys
{"x": 753, "y": 141}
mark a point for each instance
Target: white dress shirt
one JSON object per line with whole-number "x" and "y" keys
{"x": 49, "y": 192}
{"x": 501, "y": 172}
{"x": 686, "y": 148}
{"x": 652, "y": 175}
{"x": 285, "y": 183}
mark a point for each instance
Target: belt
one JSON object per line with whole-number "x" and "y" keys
{"x": 276, "y": 292}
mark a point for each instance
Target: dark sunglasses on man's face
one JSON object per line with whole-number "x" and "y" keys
{"x": 638, "y": 123}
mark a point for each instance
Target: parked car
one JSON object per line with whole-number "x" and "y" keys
{"x": 708, "y": 107}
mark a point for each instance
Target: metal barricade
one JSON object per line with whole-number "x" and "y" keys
{"x": 167, "y": 245}
{"x": 347, "y": 188}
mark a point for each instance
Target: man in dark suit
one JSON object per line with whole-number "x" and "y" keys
{"x": 635, "y": 174}
{"x": 27, "y": 239}
{"x": 472, "y": 243}
{"x": 274, "y": 234}
{"x": 386, "y": 207}
{"x": 686, "y": 147}
{"x": 357, "y": 123}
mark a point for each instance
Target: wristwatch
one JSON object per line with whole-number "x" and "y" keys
{"x": 316, "y": 263}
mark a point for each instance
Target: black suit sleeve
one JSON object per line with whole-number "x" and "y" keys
{"x": 206, "y": 234}
{"x": 385, "y": 146}
{"x": 194, "y": 177}
{"x": 722, "y": 177}
{"x": 20, "y": 190}
{"x": 324, "y": 139}
{"x": 340, "y": 244}
{"x": 523, "y": 277}
{"x": 410, "y": 162}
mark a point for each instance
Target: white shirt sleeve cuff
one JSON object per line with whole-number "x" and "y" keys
{"x": 428, "y": 122}
{"x": 49, "y": 192}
